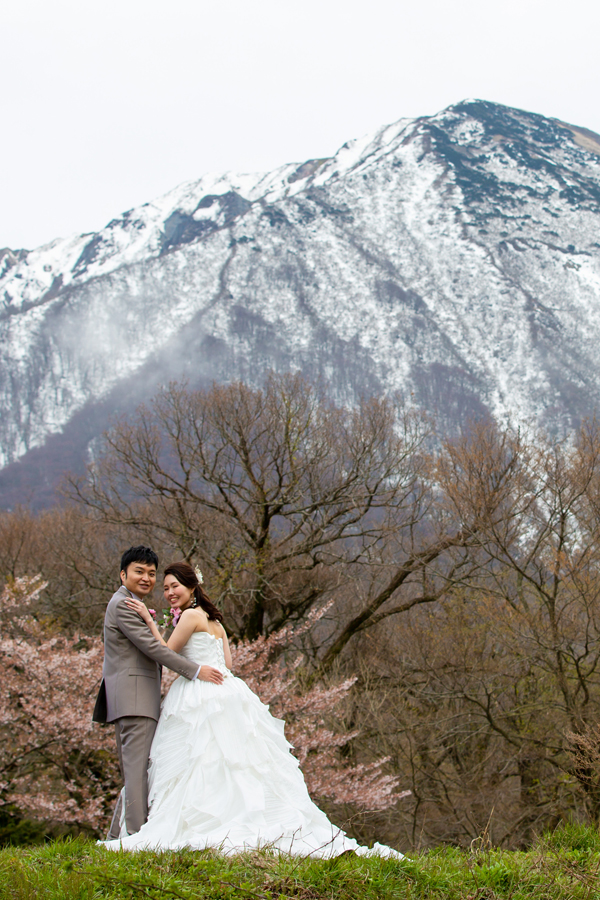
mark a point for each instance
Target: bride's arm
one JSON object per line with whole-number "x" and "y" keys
{"x": 181, "y": 633}
{"x": 186, "y": 626}
{"x": 226, "y": 650}
{"x": 144, "y": 612}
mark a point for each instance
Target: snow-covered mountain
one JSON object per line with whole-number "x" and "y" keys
{"x": 456, "y": 257}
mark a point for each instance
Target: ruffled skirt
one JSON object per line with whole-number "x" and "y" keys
{"x": 221, "y": 775}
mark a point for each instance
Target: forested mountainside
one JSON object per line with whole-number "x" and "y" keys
{"x": 454, "y": 257}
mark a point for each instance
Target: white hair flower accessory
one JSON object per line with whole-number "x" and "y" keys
{"x": 199, "y": 575}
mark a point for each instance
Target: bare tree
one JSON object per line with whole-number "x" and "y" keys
{"x": 424, "y": 558}
{"x": 484, "y": 685}
{"x": 271, "y": 488}
{"x": 77, "y": 556}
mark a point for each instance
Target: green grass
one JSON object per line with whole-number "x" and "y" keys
{"x": 563, "y": 865}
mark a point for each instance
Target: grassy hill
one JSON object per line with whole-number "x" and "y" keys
{"x": 563, "y": 865}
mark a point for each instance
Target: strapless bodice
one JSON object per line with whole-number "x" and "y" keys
{"x": 206, "y": 650}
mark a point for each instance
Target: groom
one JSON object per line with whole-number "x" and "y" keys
{"x": 129, "y": 694}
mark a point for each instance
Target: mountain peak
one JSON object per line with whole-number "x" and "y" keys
{"x": 453, "y": 257}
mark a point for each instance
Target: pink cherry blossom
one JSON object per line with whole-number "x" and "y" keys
{"x": 54, "y": 763}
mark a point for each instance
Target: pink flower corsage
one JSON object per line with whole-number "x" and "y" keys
{"x": 170, "y": 617}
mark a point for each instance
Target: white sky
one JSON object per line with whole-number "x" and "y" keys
{"x": 108, "y": 104}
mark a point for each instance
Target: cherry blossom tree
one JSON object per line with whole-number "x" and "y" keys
{"x": 55, "y": 765}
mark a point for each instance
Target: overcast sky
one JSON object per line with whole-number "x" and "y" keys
{"x": 106, "y": 105}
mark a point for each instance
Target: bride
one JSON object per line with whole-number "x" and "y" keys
{"x": 221, "y": 773}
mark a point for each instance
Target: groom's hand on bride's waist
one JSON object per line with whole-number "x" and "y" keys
{"x": 207, "y": 673}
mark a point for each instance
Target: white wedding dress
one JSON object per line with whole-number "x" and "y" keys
{"x": 221, "y": 774}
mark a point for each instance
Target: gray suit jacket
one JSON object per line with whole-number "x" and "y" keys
{"x": 132, "y": 660}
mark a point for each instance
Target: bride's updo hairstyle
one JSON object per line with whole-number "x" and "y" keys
{"x": 186, "y": 576}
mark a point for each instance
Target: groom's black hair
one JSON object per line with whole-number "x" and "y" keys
{"x": 140, "y": 554}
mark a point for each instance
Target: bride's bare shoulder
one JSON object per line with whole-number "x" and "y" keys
{"x": 191, "y": 615}
{"x": 195, "y": 616}
{"x": 190, "y": 611}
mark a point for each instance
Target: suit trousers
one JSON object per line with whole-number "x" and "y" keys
{"x": 134, "y": 738}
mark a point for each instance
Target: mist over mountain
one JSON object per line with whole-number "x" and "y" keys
{"x": 454, "y": 257}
